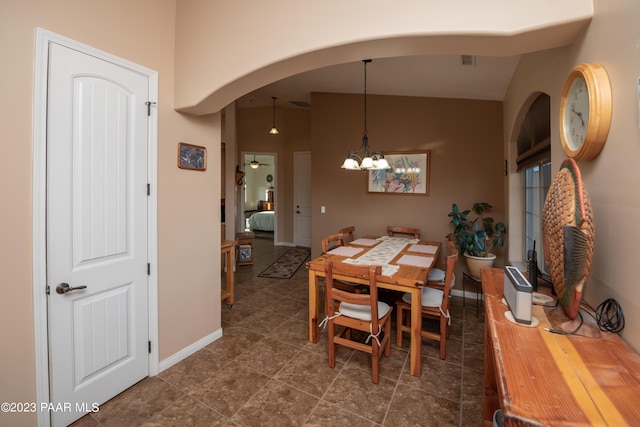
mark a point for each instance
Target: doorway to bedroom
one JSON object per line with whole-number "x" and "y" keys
{"x": 259, "y": 199}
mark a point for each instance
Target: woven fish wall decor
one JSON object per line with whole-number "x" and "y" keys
{"x": 568, "y": 236}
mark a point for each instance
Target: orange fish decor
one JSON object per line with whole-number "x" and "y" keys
{"x": 568, "y": 236}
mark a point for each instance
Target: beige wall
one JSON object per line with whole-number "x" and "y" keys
{"x": 294, "y": 37}
{"x": 467, "y": 162}
{"x": 611, "y": 178}
{"x": 465, "y": 140}
{"x": 188, "y": 235}
{"x": 188, "y": 232}
{"x": 253, "y": 136}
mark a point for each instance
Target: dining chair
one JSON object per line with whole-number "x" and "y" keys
{"x": 437, "y": 275}
{"x": 334, "y": 241}
{"x": 331, "y": 242}
{"x": 347, "y": 311}
{"x": 348, "y": 231}
{"x": 393, "y": 230}
{"x": 435, "y": 305}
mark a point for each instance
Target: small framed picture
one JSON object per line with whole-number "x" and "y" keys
{"x": 409, "y": 174}
{"x": 192, "y": 157}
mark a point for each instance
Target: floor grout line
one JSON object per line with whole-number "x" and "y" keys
{"x": 266, "y": 294}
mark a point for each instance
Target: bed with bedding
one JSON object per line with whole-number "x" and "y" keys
{"x": 262, "y": 221}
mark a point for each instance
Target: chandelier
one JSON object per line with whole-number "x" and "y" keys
{"x": 365, "y": 157}
{"x": 274, "y": 130}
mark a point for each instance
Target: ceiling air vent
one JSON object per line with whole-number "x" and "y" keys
{"x": 301, "y": 104}
{"x": 467, "y": 60}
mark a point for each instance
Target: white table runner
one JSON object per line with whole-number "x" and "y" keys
{"x": 404, "y": 240}
{"x": 387, "y": 269}
{"x": 387, "y": 250}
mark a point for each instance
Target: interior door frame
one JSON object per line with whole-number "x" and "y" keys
{"x": 39, "y": 206}
{"x": 276, "y": 201}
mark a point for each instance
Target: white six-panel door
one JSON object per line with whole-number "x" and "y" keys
{"x": 97, "y": 138}
{"x": 302, "y": 198}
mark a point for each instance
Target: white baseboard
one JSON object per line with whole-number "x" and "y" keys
{"x": 188, "y": 351}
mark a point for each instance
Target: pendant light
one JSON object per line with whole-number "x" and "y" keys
{"x": 274, "y": 130}
{"x": 365, "y": 157}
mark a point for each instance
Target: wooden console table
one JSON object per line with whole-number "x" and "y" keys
{"x": 540, "y": 378}
{"x": 227, "y": 249}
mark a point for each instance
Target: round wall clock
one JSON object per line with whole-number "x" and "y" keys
{"x": 269, "y": 178}
{"x": 585, "y": 111}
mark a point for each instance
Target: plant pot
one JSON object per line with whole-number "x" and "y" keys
{"x": 475, "y": 263}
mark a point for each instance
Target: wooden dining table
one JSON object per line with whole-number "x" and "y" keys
{"x": 407, "y": 278}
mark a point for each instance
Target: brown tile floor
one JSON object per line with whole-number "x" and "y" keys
{"x": 264, "y": 372}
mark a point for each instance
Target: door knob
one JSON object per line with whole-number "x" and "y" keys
{"x": 64, "y": 288}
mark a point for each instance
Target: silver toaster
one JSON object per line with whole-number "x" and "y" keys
{"x": 518, "y": 293}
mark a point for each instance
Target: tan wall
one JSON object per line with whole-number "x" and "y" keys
{"x": 143, "y": 32}
{"x": 467, "y": 164}
{"x": 465, "y": 140}
{"x": 188, "y": 232}
{"x": 466, "y": 150}
{"x": 294, "y": 38}
{"x": 611, "y": 178}
{"x": 253, "y": 136}
{"x": 188, "y": 235}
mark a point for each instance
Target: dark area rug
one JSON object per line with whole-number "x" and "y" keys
{"x": 286, "y": 266}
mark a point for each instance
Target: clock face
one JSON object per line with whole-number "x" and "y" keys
{"x": 585, "y": 111}
{"x": 576, "y": 113}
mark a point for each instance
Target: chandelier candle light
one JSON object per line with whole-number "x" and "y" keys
{"x": 369, "y": 158}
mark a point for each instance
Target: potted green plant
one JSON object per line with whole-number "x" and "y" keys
{"x": 476, "y": 237}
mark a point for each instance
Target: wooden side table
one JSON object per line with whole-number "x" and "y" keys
{"x": 244, "y": 247}
{"x": 539, "y": 378}
{"x": 227, "y": 249}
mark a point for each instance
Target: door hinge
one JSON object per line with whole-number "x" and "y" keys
{"x": 148, "y": 189}
{"x": 148, "y": 104}
{"x": 148, "y": 269}
{"x": 149, "y": 347}
{"x": 48, "y": 290}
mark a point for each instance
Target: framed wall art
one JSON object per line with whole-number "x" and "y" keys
{"x": 409, "y": 174}
{"x": 192, "y": 157}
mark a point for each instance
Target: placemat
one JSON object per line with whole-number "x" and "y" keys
{"x": 345, "y": 251}
{"x": 416, "y": 261}
{"x": 365, "y": 242}
{"x": 425, "y": 249}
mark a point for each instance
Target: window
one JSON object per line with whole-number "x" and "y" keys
{"x": 537, "y": 180}
{"x": 534, "y": 162}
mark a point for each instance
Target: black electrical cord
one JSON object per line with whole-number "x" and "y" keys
{"x": 609, "y": 316}
{"x": 558, "y": 331}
